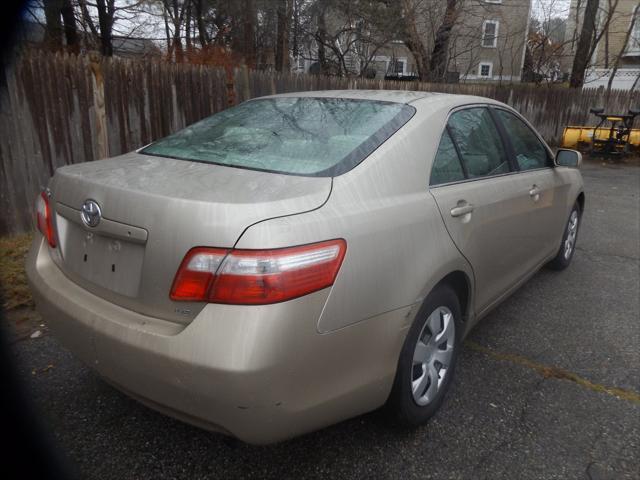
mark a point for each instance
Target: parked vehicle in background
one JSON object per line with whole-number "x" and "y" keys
{"x": 301, "y": 258}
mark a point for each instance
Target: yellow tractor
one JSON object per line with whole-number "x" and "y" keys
{"x": 613, "y": 135}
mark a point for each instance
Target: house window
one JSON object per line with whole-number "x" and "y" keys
{"x": 485, "y": 70}
{"x": 396, "y": 67}
{"x": 493, "y": 1}
{"x": 490, "y": 33}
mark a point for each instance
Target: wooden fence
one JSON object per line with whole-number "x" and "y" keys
{"x": 59, "y": 109}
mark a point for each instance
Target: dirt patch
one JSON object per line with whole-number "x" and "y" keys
{"x": 25, "y": 323}
{"x": 13, "y": 252}
{"x": 17, "y": 302}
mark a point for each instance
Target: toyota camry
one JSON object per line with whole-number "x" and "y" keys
{"x": 303, "y": 258}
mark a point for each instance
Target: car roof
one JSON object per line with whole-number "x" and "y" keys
{"x": 396, "y": 96}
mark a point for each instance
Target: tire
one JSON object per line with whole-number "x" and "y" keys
{"x": 569, "y": 238}
{"x": 411, "y": 408}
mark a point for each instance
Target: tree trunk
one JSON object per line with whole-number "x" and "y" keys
{"x": 606, "y": 49}
{"x": 106, "y": 11}
{"x": 282, "y": 37}
{"x": 296, "y": 28}
{"x": 287, "y": 49}
{"x": 53, "y": 33}
{"x": 581, "y": 59}
{"x": 187, "y": 28}
{"x": 635, "y": 84}
{"x": 87, "y": 21}
{"x": 177, "y": 17}
{"x": 202, "y": 29}
{"x": 413, "y": 39}
{"x": 321, "y": 38}
{"x": 70, "y": 27}
{"x": 167, "y": 33}
{"x": 439, "y": 55}
{"x": 249, "y": 32}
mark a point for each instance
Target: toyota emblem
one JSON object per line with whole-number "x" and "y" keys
{"x": 90, "y": 213}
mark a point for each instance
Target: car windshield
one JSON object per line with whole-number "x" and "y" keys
{"x": 300, "y": 136}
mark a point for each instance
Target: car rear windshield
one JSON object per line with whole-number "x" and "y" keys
{"x": 300, "y": 136}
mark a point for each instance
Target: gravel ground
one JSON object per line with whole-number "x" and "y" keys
{"x": 533, "y": 396}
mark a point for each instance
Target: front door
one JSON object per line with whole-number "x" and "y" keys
{"x": 539, "y": 185}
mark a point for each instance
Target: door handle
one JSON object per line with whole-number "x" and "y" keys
{"x": 461, "y": 210}
{"x": 534, "y": 191}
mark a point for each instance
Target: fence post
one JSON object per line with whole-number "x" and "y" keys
{"x": 100, "y": 112}
{"x": 229, "y": 81}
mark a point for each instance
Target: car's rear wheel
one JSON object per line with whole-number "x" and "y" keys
{"x": 428, "y": 359}
{"x": 569, "y": 238}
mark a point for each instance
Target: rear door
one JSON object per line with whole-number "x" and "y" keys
{"x": 481, "y": 202}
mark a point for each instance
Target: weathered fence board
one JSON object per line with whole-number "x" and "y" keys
{"x": 61, "y": 109}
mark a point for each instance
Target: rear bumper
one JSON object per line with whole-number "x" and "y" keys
{"x": 262, "y": 374}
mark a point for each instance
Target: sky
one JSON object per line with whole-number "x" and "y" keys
{"x": 544, "y": 9}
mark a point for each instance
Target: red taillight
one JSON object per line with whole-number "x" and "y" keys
{"x": 196, "y": 274}
{"x": 257, "y": 277}
{"x": 44, "y": 218}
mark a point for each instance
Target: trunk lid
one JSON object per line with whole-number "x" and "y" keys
{"x": 153, "y": 210}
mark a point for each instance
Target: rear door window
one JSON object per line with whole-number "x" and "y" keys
{"x": 529, "y": 151}
{"x": 479, "y": 142}
{"x": 446, "y": 166}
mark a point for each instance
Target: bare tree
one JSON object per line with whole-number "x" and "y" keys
{"x": 203, "y": 37}
{"x": 70, "y": 26}
{"x": 343, "y": 37}
{"x": 53, "y": 32}
{"x": 413, "y": 38}
{"x": 284, "y": 12}
{"x": 175, "y": 11}
{"x": 545, "y": 48}
{"x": 249, "y": 33}
{"x": 590, "y": 37}
{"x": 60, "y": 27}
{"x": 625, "y": 42}
{"x": 439, "y": 56}
{"x": 635, "y": 83}
{"x": 86, "y": 19}
{"x": 321, "y": 37}
{"x": 106, "y": 13}
{"x": 581, "y": 58}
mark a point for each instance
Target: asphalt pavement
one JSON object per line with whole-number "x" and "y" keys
{"x": 548, "y": 387}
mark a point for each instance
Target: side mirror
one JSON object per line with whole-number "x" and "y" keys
{"x": 568, "y": 158}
